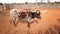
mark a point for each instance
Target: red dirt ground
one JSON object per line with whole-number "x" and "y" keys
{"x": 48, "y": 24}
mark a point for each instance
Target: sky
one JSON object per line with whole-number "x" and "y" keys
{"x": 23, "y": 1}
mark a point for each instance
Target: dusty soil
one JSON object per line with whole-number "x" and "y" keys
{"x": 48, "y": 24}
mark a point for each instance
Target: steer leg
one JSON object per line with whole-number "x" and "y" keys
{"x": 28, "y": 24}
{"x": 14, "y": 23}
{"x": 10, "y": 21}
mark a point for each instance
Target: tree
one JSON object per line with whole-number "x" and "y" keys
{"x": 1, "y": 4}
{"x": 26, "y": 2}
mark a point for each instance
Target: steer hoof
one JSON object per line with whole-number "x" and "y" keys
{"x": 15, "y": 25}
{"x": 28, "y": 26}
